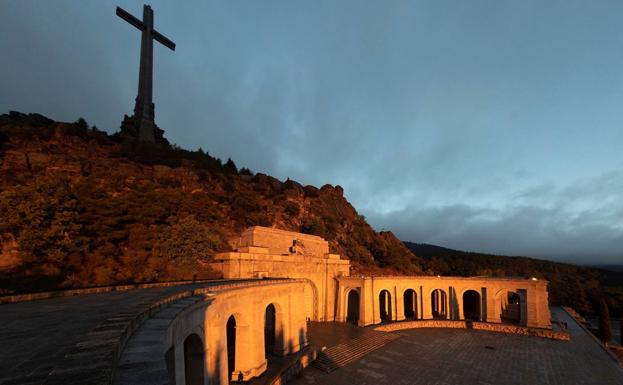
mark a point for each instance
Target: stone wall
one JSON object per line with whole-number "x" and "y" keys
{"x": 247, "y": 305}
{"x": 500, "y": 328}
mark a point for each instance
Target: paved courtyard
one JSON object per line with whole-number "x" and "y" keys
{"x": 34, "y": 336}
{"x": 449, "y": 357}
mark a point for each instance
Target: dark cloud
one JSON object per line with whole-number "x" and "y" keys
{"x": 470, "y": 125}
{"x": 580, "y": 223}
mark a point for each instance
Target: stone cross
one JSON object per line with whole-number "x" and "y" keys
{"x": 144, "y": 107}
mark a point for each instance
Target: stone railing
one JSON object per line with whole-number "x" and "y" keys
{"x": 94, "y": 290}
{"x": 493, "y": 327}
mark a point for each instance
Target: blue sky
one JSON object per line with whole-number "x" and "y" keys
{"x": 491, "y": 126}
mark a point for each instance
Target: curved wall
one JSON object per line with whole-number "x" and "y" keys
{"x": 208, "y": 320}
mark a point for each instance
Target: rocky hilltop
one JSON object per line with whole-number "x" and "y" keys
{"x": 80, "y": 207}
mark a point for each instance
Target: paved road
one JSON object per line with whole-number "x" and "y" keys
{"x": 34, "y": 336}
{"x": 448, "y": 357}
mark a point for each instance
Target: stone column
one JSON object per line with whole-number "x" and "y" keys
{"x": 494, "y": 307}
{"x": 427, "y": 311}
{"x": 421, "y": 304}
{"x": 483, "y": 304}
{"x": 459, "y": 307}
{"x": 400, "y": 305}
{"x": 250, "y": 357}
{"x": 342, "y": 303}
{"x": 523, "y": 307}
{"x": 367, "y": 303}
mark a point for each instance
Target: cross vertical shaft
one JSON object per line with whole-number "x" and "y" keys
{"x": 144, "y": 107}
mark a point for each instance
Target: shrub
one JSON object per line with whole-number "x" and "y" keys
{"x": 314, "y": 226}
{"x": 292, "y": 209}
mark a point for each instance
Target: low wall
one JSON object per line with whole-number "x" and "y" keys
{"x": 106, "y": 289}
{"x": 94, "y": 290}
{"x": 493, "y": 327}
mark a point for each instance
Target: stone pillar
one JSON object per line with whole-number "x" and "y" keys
{"x": 180, "y": 364}
{"x": 459, "y": 308}
{"x": 543, "y": 316}
{"x": 367, "y": 307}
{"x": 342, "y": 303}
{"x": 453, "y": 301}
{"x": 483, "y": 304}
{"x": 494, "y": 307}
{"x": 427, "y": 306}
{"x": 421, "y": 303}
{"x": 248, "y": 361}
{"x": 400, "y": 304}
{"x": 523, "y": 307}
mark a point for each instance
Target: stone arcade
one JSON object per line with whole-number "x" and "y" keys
{"x": 266, "y": 252}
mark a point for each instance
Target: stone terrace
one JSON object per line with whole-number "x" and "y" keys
{"x": 451, "y": 356}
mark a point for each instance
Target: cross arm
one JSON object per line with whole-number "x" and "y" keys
{"x": 130, "y": 19}
{"x": 163, "y": 40}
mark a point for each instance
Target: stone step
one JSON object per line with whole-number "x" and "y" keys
{"x": 343, "y": 354}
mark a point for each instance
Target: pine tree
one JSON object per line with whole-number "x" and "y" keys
{"x": 230, "y": 167}
{"x": 605, "y": 331}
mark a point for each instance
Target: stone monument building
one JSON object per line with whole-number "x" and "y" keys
{"x": 337, "y": 296}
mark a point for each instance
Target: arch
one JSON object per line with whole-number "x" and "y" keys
{"x": 439, "y": 304}
{"x": 231, "y": 346}
{"x": 193, "y": 360}
{"x": 510, "y": 311}
{"x": 410, "y": 304}
{"x": 471, "y": 305}
{"x": 270, "y": 320}
{"x": 352, "y": 307}
{"x": 385, "y": 305}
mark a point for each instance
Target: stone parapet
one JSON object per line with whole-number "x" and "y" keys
{"x": 95, "y": 290}
{"x": 493, "y": 327}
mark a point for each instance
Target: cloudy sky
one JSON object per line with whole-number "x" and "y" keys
{"x": 490, "y": 126}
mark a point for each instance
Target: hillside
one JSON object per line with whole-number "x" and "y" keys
{"x": 580, "y": 287}
{"x": 81, "y": 207}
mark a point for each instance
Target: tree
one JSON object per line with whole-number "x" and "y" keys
{"x": 605, "y": 332}
{"x": 82, "y": 124}
{"x": 230, "y": 167}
